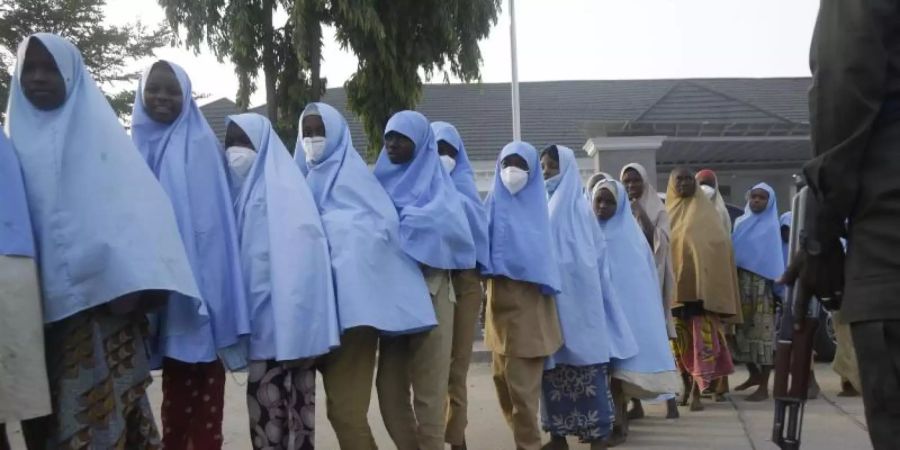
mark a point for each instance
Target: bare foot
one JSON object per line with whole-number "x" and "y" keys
{"x": 556, "y": 443}
{"x": 672, "y": 409}
{"x": 721, "y": 398}
{"x": 637, "y": 410}
{"x": 752, "y": 381}
{"x": 458, "y": 447}
{"x": 616, "y": 438}
{"x": 599, "y": 444}
{"x": 847, "y": 390}
{"x": 760, "y": 395}
{"x": 696, "y": 404}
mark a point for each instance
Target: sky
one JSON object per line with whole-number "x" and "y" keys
{"x": 581, "y": 40}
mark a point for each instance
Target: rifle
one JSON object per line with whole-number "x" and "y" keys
{"x": 793, "y": 351}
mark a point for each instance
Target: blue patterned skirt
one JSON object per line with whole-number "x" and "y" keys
{"x": 576, "y": 401}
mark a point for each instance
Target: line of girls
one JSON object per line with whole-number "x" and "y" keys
{"x": 121, "y": 254}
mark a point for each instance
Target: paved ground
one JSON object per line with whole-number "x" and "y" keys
{"x": 831, "y": 422}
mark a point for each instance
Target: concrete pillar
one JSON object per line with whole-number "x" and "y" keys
{"x": 611, "y": 154}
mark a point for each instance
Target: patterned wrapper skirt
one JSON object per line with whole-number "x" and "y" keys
{"x": 281, "y": 399}
{"x": 700, "y": 348}
{"x": 755, "y": 337}
{"x": 98, "y": 371}
{"x": 576, "y": 401}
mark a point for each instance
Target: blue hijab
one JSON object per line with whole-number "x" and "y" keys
{"x": 376, "y": 283}
{"x": 757, "y": 239}
{"x": 284, "y": 254}
{"x": 433, "y": 226}
{"x": 589, "y": 317}
{"x": 15, "y": 224}
{"x": 635, "y": 281}
{"x": 519, "y": 226}
{"x": 464, "y": 179}
{"x": 186, "y": 158}
{"x": 103, "y": 225}
{"x": 786, "y": 221}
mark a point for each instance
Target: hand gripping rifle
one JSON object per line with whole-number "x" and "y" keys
{"x": 793, "y": 351}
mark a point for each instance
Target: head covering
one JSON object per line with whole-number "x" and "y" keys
{"x": 464, "y": 180}
{"x": 186, "y": 158}
{"x": 757, "y": 239}
{"x": 649, "y": 201}
{"x": 589, "y": 316}
{"x": 701, "y": 253}
{"x": 284, "y": 253}
{"x": 376, "y": 283}
{"x": 707, "y": 176}
{"x": 786, "y": 220}
{"x": 519, "y": 226}
{"x": 15, "y": 224}
{"x": 103, "y": 225}
{"x": 433, "y": 225}
{"x": 635, "y": 283}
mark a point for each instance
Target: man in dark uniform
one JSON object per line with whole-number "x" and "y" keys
{"x": 855, "y": 176}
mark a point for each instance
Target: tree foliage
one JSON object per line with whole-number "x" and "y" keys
{"x": 245, "y": 32}
{"x": 107, "y": 50}
{"x": 394, "y": 39}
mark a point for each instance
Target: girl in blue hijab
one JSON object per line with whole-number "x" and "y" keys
{"x": 379, "y": 288}
{"x": 24, "y": 393}
{"x": 635, "y": 282}
{"x": 434, "y": 232}
{"x": 594, "y": 327}
{"x": 108, "y": 244}
{"x": 467, "y": 284}
{"x": 759, "y": 257}
{"x": 173, "y": 137}
{"x": 285, "y": 261}
{"x": 521, "y": 325}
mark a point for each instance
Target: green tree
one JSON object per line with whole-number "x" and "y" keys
{"x": 244, "y": 31}
{"x": 107, "y": 49}
{"x": 394, "y": 39}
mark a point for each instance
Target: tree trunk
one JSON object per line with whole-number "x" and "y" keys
{"x": 315, "y": 70}
{"x": 268, "y": 61}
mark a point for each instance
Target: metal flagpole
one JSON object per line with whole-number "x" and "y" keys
{"x": 516, "y": 123}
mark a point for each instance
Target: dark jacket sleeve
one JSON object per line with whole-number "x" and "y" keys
{"x": 849, "y": 59}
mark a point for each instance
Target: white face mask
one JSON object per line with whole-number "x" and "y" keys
{"x": 314, "y": 147}
{"x": 240, "y": 160}
{"x": 514, "y": 179}
{"x": 709, "y": 191}
{"x": 448, "y": 162}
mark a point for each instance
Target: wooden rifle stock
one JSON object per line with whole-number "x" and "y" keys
{"x": 793, "y": 351}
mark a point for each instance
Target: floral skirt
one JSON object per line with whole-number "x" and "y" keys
{"x": 281, "y": 399}
{"x": 755, "y": 337}
{"x": 576, "y": 401}
{"x": 701, "y": 350}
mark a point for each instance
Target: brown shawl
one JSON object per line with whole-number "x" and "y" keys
{"x": 702, "y": 255}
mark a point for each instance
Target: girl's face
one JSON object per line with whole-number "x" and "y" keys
{"x": 445, "y": 149}
{"x": 759, "y": 200}
{"x": 549, "y": 166}
{"x": 685, "y": 185}
{"x": 313, "y": 126}
{"x": 236, "y": 137}
{"x": 605, "y": 204}
{"x": 163, "y": 98}
{"x": 514, "y": 161}
{"x": 400, "y": 149}
{"x": 634, "y": 184}
{"x": 41, "y": 81}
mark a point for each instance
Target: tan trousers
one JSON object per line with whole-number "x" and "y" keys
{"x": 518, "y": 383}
{"x": 347, "y": 374}
{"x": 467, "y": 285}
{"x": 422, "y": 361}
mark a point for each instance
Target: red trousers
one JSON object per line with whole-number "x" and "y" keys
{"x": 193, "y": 397}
